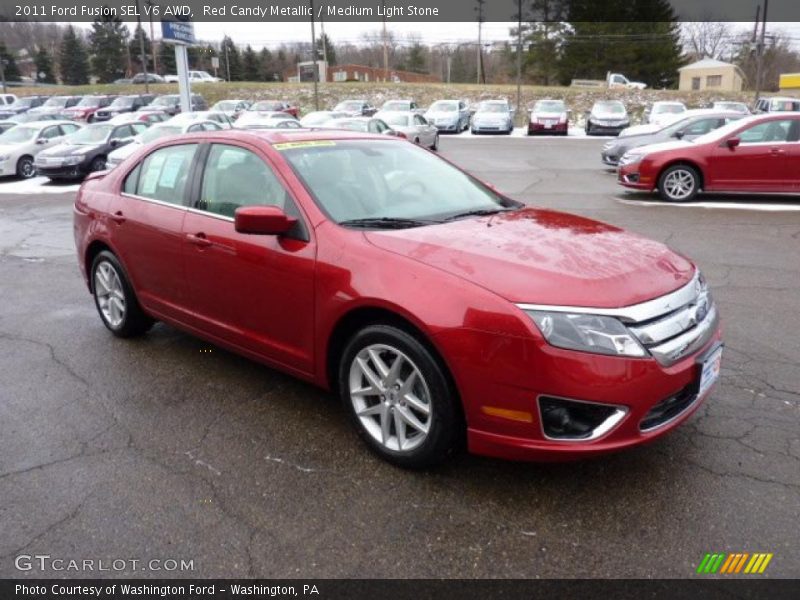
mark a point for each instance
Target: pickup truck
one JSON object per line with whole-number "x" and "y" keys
{"x": 612, "y": 81}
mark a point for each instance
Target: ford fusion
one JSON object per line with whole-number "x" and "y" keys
{"x": 442, "y": 312}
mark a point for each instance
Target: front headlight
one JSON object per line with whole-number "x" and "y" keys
{"x": 630, "y": 158}
{"x": 4, "y": 157}
{"x": 74, "y": 159}
{"x": 587, "y": 333}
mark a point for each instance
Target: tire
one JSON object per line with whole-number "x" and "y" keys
{"x": 435, "y": 146}
{"x": 97, "y": 164}
{"x": 25, "y": 168}
{"x": 90, "y": 119}
{"x": 397, "y": 429}
{"x": 416, "y": 141}
{"x": 679, "y": 183}
{"x": 115, "y": 299}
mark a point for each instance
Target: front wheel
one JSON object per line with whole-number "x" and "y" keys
{"x": 679, "y": 183}
{"x": 25, "y": 168}
{"x": 98, "y": 164}
{"x": 398, "y": 397}
{"x": 115, "y": 299}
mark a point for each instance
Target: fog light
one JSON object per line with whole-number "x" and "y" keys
{"x": 574, "y": 420}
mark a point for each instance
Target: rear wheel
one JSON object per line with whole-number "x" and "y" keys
{"x": 435, "y": 145}
{"x": 115, "y": 299}
{"x": 398, "y": 397}
{"x": 25, "y": 168}
{"x": 679, "y": 183}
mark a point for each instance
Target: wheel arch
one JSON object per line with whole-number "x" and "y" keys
{"x": 363, "y": 316}
{"x": 682, "y": 161}
{"x": 92, "y": 250}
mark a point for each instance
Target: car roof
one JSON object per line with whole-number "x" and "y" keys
{"x": 280, "y": 136}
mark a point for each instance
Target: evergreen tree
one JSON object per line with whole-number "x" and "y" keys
{"x": 250, "y": 65}
{"x": 44, "y": 66}
{"x": 641, "y": 40}
{"x": 543, "y": 31}
{"x": 229, "y": 61}
{"x": 324, "y": 42}
{"x": 10, "y": 68}
{"x": 266, "y": 65}
{"x": 416, "y": 61}
{"x": 107, "y": 42}
{"x": 134, "y": 51}
{"x": 73, "y": 59}
{"x": 166, "y": 59}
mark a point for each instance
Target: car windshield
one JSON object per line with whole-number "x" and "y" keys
{"x": 734, "y": 106}
{"x": 89, "y": 102}
{"x": 316, "y": 118}
{"x": 93, "y": 134}
{"x": 668, "y": 109}
{"x": 18, "y": 135}
{"x": 396, "y": 105}
{"x": 122, "y": 102}
{"x": 22, "y": 103}
{"x": 374, "y": 180}
{"x": 225, "y": 105}
{"x": 59, "y": 101}
{"x": 444, "y": 107}
{"x": 549, "y": 106}
{"x": 154, "y": 133}
{"x": 164, "y": 101}
{"x": 784, "y": 105}
{"x": 616, "y": 108}
{"x": 349, "y": 105}
{"x": 400, "y": 119}
{"x": 493, "y": 107}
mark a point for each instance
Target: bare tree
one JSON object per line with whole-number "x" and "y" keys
{"x": 707, "y": 39}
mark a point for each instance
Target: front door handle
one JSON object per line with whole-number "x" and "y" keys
{"x": 199, "y": 239}
{"x": 777, "y": 151}
{"x": 118, "y": 217}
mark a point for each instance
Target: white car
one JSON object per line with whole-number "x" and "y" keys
{"x": 319, "y": 118}
{"x": 663, "y": 113}
{"x": 7, "y": 99}
{"x": 448, "y": 115}
{"x": 160, "y": 130}
{"x": 232, "y": 108}
{"x": 652, "y": 128}
{"x": 20, "y": 145}
{"x": 250, "y": 119}
{"x": 220, "y": 118}
{"x": 413, "y": 126}
{"x": 203, "y": 77}
{"x": 493, "y": 116}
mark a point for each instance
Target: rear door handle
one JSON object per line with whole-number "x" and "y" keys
{"x": 118, "y": 217}
{"x": 199, "y": 239}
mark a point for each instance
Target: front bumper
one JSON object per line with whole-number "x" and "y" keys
{"x": 490, "y": 128}
{"x": 542, "y": 128}
{"x": 63, "y": 172}
{"x": 630, "y": 176}
{"x": 597, "y": 129}
{"x": 609, "y": 159}
{"x": 447, "y": 127}
{"x": 8, "y": 168}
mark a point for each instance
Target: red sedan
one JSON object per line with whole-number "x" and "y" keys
{"x": 754, "y": 154}
{"x": 438, "y": 309}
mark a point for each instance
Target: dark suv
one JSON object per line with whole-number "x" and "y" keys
{"x": 123, "y": 104}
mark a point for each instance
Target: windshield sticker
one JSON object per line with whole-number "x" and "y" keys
{"x": 309, "y": 144}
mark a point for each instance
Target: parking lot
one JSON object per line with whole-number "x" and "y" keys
{"x": 165, "y": 447}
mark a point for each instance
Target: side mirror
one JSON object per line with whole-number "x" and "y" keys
{"x": 678, "y": 135}
{"x": 733, "y": 142}
{"x": 42, "y": 141}
{"x": 114, "y": 143}
{"x": 262, "y": 220}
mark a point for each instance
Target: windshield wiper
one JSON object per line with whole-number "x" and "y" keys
{"x": 386, "y": 222}
{"x": 481, "y": 212}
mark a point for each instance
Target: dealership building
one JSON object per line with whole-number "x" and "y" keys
{"x": 712, "y": 75}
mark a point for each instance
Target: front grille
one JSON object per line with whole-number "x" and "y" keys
{"x": 669, "y": 408}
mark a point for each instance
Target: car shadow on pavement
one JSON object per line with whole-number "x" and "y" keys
{"x": 754, "y": 200}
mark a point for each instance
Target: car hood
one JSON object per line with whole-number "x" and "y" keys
{"x": 609, "y": 116}
{"x": 125, "y": 151}
{"x": 13, "y": 148}
{"x": 69, "y": 149}
{"x": 442, "y": 114}
{"x": 491, "y": 116}
{"x": 671, "y": 145}
{"x": 545, "y": 257}
{"x": 547, "y": 114}
{"x": 640, "y": 130}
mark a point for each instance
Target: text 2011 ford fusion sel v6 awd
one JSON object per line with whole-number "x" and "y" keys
{"x": 441, "y": 311}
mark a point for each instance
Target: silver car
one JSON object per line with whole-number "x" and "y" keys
{"x": 493, "y": 116}
{"x": 448, "y": 115}
{"x": 413, "y": 126}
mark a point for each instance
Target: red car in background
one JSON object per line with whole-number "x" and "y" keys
{"x": 549, "y": 117}
{"x": 85, "y": 109}
{"x": 438, "y": 309}
{"x": 754, "y": 154}
{"x": 273, "y": 106}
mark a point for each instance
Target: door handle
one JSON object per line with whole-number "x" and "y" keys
{"x": 776, "y": 151}
{"x": 199, "y": 239}
{"x": 118, "y": 217}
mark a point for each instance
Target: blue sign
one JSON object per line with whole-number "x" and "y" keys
{"x": 177, "y": 32}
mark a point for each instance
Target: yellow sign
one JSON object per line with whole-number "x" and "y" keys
{"x": 307, "y": 144}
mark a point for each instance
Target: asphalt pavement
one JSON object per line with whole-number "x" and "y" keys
{"x": 167, "y": 448}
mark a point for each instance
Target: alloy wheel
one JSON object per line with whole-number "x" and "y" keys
{"x": 390, "y": 397}
{"x": 679, "y": 184}
{"x": 110, "y": 294}
{"x": 26, "y": 168}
